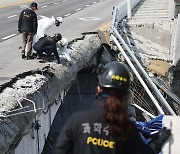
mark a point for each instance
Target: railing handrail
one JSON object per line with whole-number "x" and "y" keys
{"x": 158, "y": 94}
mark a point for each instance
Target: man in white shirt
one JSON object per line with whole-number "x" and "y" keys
{"x": 45, "y": 23}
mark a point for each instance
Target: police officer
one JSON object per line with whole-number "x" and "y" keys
{"x": 27, "y": 26}
{"x": 47, "y": 45}
{"x": 105, "y": 128}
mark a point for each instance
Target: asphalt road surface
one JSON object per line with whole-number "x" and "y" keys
{"x": 9, "y": 16}
{"x": 79, "y": 16}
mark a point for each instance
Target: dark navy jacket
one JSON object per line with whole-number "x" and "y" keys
{"x": 28, "y": 21}
{"x": 45, "y": 44}
{"x": 86, "y": 133}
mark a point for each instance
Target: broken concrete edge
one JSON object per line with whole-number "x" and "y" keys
{"x": 149, "y": 40}
{"x": 81, "y": 38}
{"x": 41, "y": 86}
{"x": 147, "y": 53}
{"x": 21, "y": 76}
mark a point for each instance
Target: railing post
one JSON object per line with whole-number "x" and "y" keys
{"x": 129, "y": 9}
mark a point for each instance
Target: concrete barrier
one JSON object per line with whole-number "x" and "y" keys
{"x": 45, "y": 88}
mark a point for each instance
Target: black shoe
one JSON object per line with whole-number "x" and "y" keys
{"x": 42, "y": 61}
{"x": 34, "y": 55}
{"x": 29, "y": 57}
{"x": 23, "y": 55}
{"x": 38, "y": 57}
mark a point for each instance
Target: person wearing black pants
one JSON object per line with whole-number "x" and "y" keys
{"x": 47, "y": 45}
{"x": 27, "y": 26}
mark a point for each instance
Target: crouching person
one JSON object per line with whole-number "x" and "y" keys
{"x": 47, "y": 45}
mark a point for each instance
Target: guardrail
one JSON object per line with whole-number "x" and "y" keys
{"x": 119, "y": 40}
{"x": 120, "y": 11}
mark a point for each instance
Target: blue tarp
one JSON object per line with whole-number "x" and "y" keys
{"x": 150, "y": 128}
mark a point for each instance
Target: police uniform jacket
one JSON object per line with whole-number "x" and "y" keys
{"x": 28, "y": 21}
{"x": 86, "y": 132}
{"x": 43, "y": 42}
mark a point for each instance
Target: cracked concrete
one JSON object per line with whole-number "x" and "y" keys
{"x": 40, "y": 86}
{"x": 151, "y": 40}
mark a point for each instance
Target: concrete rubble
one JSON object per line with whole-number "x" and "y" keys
{"x": 41, "y": 86}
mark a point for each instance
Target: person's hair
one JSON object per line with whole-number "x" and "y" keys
{"x": 116, "y": 113}
{"x": 57, "y": 23}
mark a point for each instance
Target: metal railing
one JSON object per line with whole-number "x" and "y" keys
{"x": 158, "y": 94}
{"x": 120, "y": 11}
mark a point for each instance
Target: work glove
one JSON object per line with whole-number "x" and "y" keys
{"x": 157, "y": 143}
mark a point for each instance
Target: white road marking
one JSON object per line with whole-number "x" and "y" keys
{"x": 79, "y": 9}
{"x": 89, "y": 18}
{"x": 12, "y": 16}
{"x": 23, "y": 6}
{"x": 87, "y": 5}
{"x": 67, "y": 15}
{"x": 94, "y": 2}
{"x": 41, "y": 16}
{"x": 7, "y": 37}
{"x": 43, "y": 7}
{"x": 56, "y": 3}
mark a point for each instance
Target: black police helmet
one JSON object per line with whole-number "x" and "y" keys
{"x": 114, "y": 75}
{"x": 58, "y": 36}
{"x": 34, "y": 4}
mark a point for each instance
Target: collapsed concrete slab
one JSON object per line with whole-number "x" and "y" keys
{"x": 151, "y": 41}
{"x": 28, "y": 95}
{"x": 152, "y": 45}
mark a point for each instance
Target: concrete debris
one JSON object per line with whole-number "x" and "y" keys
{"x": 158, "y": 67}
{"x": 42, "y": 87}
{"x": 104, "y": 36}
{"x": 21, "y": 88}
